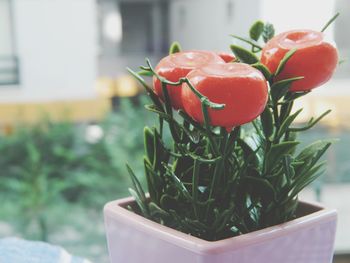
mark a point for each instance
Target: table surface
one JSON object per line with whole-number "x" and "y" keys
{"x": 23, "y": 251}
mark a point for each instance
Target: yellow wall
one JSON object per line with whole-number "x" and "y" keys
{"x": 75, "y": 110}
{"x": 314, "y": 106}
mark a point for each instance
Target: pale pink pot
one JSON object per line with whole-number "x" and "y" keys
{"x": 135, "y": 239}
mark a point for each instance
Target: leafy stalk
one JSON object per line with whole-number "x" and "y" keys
{"x": 330, "y": 22}
{"x": 216, "y": 184}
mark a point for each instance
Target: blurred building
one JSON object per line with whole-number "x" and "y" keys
{"x": 48, "y": 59}
{"x": 145, "y": 28}
{"x": 48, "y": 50}
{"x": 55, "y": 50}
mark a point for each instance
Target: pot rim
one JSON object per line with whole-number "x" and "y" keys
{"x": 116, "y": 210}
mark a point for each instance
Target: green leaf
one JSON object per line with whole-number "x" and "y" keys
{"x": 288, "y": 167}
{"x": 234, "y": 135}
{"x": 146, "y": 73}
{"x": 136, "y": 184}
{"x": 267, "y": 122}
{"x": 260, "y": 186}
{"x": 285, "y": 109}
{"x": 160, "y": 152}
{"x": 280, "y": 88}
{"x": 149, "y": 90}
{"x": 244, "y": 55}
{"x": 215, "y": 186}
{"x": 258, "y": 128}
{"x": 253, "y": 43}
{"x": 195, "y": 180}
{"x": 167, "y": 100}
{"x": 249, "y": 154}
{"x": 153, "y": 184}
{"x": 153, "y": 108}
{"x": 178, "y": 183}
{"x": 268, "y": 32}
{"x": 191, "y": 225}
{"x": 284, "y": 61}
{"x": 263, "y": 69}
{"x": 277, "y": 152}
{"x": 148, "y": 143}
{"x": 222, "y": 218}
{"x": 295, "y": 95}
{"x": 185, "y": 152}
{"x": 312, "y": 157}
{"x": 256, "y": 30}
{"x": 287, "y": 122}
{"x": 330, "y": 22}
{"x": 309, "y": 151}
{"x": 307, "y": 178}
{"x": 142, "y": 205}
{"x": 155, "y": 210}
{"x": 169, "y": 111}
{"x": 312, "y": 123}
{"x": 175, "y": 48}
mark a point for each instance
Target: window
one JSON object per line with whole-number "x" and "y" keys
{"x": 341, "y": 29}
{"x": 8, "y": 59}
{"x": 137, "y": 27}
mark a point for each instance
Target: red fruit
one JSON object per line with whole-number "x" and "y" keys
{"x": 178, "y": 65}
{"x": 227, "y": 57}
{"x": 315, "y": 58}
{"x": 242, "y": 88}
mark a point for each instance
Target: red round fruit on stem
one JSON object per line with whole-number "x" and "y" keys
{"x": 242, "y": 88}
{"x": 227, "y": 57}
{"x": 178, "y": 65}
{"x": 315, "y": 59}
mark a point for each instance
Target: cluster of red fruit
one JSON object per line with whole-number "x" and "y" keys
{"x": 242, "y": 88}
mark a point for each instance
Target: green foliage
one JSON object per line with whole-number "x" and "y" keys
{"x": 256, "y": 30}
{"x": 330, "y": 22}
{"x": 244, "y": 55}
{"x": 41, "y": 166}
{"x": 254, "y": 44}
{"x": 213, "y": 183}
{"x": 263, "y": 69}
{"x": 280, "y": 88}
{"x": 174, "y": 48}
{"x": 268, "y": 32}
{"x": 50, "y": 168}
{"x": 284, "y": 61}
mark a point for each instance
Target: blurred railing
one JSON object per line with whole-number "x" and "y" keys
{"x": 9, "y": 70}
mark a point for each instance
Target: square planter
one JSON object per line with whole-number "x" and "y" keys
{"x": 135, "y": 239}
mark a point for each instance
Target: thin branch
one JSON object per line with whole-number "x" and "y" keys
{"x": 250, "y": 42}
{"x": 330, "y": 22}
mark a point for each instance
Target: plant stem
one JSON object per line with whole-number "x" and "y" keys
{"x": 169, "y": 111}
{"x": 208, "y": 131}
{"x": 277, "y": 122}
{"x": 330, "y": 22}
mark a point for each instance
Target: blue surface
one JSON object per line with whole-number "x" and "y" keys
{"x": 15, "y": 250}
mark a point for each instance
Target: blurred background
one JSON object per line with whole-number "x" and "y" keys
{"x": 70, "y": 116}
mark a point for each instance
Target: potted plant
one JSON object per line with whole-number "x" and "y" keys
{"x": 223, "y": 180}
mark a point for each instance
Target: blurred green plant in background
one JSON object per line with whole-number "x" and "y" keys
{"x": 51, "y": 169}
{"x": 38, "y": 170}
